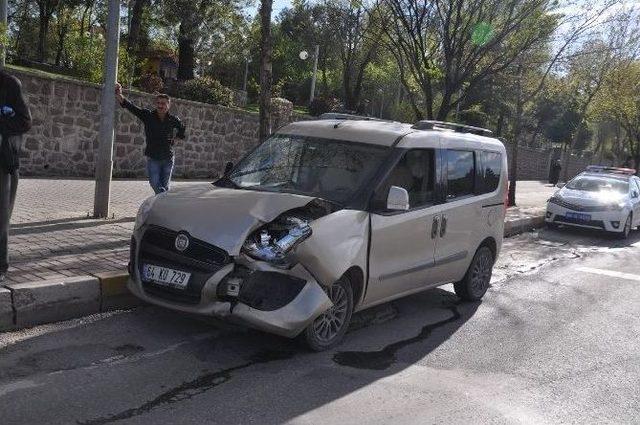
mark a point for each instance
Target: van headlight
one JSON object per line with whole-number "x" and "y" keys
{"x": 144, "y": 210}
{"x": 273, "y": 242}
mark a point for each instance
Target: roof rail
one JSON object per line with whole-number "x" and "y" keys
{"x": 459, "y": 128}
{"x": 610, "y": 170}
{"x": 339, "y": 116}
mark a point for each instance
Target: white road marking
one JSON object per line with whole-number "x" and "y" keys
{"x": 610, "y": 273}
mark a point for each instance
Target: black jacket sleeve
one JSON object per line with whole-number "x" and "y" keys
{"x": 141, "y": 113}
{"x": 20, "y": 121}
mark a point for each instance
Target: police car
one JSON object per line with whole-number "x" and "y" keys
{"x": 602, "y": 198}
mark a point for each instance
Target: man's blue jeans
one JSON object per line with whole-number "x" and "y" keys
{"x": 159, "y": 172}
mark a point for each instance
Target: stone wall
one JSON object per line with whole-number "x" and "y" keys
{"x": 534, "y": 164}
{"x": 64, "y": 138}
{"x": 66, "y": 122}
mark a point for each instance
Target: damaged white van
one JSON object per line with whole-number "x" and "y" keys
{"x": 326, "y": 218}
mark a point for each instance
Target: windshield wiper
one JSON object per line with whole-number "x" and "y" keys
{"x": 257, "y": 170}
{"x": 225, "y": 181}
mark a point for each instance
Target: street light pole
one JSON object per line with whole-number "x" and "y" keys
{"x": 246, "y": 74}
{"x": 104, "y": 164}
{"x": 3, "y": 22}
{"x": 315, "y": 71}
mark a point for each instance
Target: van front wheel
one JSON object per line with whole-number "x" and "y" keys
{"x": 328, "y": 329}
{"x": 476, "y": 281}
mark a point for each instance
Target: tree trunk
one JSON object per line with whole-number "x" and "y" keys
{"x": 135, "y": 28}
{"x": 62, "y": 35}
{"x": 265, "y": 69}
{"x": 43, "y": 32}
{"x": 513, "y": 172}
{"x": 186, "y": 53}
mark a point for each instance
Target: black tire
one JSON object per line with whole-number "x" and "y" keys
{"x": 626, "y": 230}
{"x": 478, "y": 277}
{"x": 315, "y": 336}
{"x": 550, "y": 225}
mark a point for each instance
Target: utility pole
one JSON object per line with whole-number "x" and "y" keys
{"x": 315, "y": 71}
{"x": 3, "y": 23}
{"x": 246, "y": 74}
{"x": 104, "y": 164}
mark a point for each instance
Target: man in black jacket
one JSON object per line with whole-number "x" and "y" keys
{"x": 15, "y": 119}
{"x": 160, "y": 128}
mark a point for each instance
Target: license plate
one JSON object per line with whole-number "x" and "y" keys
{"x": 165, "y": 276}
{"x": 578, "y": 216}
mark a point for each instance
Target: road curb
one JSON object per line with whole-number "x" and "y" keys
{"x": 114, "y": 294}
{"x": 34, "y": 303}
{"x": 6, "y": 310}
{"x": 522, "y": 225}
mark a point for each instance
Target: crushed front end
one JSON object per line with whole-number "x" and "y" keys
{"x": 263, "y": 285}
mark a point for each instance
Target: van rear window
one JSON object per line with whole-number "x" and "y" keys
{"x": 492, "y": 168}
{"x": 460, "y": 173}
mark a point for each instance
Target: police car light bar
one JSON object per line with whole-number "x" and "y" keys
{"x": 611, "y": 170}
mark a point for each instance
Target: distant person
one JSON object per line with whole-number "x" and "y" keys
{"x": 15, "y": 120}
{"x": 160, "y": 128}
{"x": 554, "y": 175}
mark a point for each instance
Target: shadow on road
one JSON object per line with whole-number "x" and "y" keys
{"x": 238, "y": 371}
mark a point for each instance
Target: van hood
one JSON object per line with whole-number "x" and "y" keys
{"x": 223, "y": 217}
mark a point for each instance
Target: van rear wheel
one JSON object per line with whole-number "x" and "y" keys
{"x": 476, "y": 281}
{"x": 329, "y": 328}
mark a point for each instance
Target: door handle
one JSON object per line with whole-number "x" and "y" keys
{"x": 443, "y": 226}
{"x": 434, "y": 226}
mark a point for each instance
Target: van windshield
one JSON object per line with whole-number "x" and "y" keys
{"x": 324, "y": 168}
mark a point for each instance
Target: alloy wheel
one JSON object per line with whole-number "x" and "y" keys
{"x": 481, "y": 273}
{"x": 330, "y": 323}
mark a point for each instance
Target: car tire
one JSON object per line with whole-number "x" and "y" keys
{"x": 550, "y": 225}
{"x": 478, "y": 277}
{"x": 329, "y": 328}
{"x": 626, "y": 230}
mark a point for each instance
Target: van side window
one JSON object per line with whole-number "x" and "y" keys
{"x": 416, "y": 173}
{"x": 492, "y": 167}
{"x": 460, "y": 173}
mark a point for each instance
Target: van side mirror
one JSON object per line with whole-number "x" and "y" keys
{"x": 227, "y": 168}
{"x": 398, "y": 199}
{"x": 560, "y": 185}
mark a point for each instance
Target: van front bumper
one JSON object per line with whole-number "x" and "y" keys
{"x": 283, "y": 302}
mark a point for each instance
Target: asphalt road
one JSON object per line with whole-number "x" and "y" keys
{"x": 556, "y": 340}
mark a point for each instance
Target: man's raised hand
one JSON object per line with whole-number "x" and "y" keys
{"x": 119, "y": 96}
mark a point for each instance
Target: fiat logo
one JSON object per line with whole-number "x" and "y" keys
{"x": 182, "y": 242}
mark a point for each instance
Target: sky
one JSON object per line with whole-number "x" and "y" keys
{"x": 278, "y": 5}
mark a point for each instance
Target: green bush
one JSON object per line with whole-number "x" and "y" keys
{"x": 320, "y": 105}
{"x": 206, "y": 90}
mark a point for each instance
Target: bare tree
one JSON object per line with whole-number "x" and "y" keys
{"x": 448, "y": 45}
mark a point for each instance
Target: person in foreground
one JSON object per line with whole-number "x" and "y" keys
{"x": 15, "y": 120}
{"x": 161, "y": 129}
